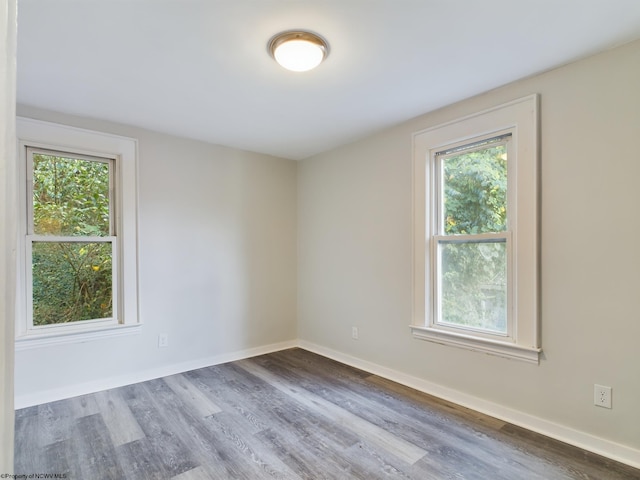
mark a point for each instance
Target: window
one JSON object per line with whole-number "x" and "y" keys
{"x": 79, "y": 234}
{"x": 71, "y": 239}
{"x": 476, "y": 232}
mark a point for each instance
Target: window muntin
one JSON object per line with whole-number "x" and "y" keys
{"x": 71, "y": 242}
{"x": 471, "y": 242}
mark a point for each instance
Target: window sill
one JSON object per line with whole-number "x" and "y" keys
{"x": 29, "y": 341}
{"x": 490, "y": 347}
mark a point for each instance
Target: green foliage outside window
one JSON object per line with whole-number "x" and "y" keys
{"x": 72, "y": 281}
{"x": 474, "y": 274}
{"x": 475, "y": 196}
{"x": 70, "y": 196}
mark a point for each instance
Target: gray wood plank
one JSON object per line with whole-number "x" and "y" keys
{"x": 27, "y": 446}
{"x": 55, "y": 459}
{"x": 123, "y": 427}
{"x": 93, "y": 452}
{"x": 83, "y": 406}
{"x": 167, "y": 448}
{"x": 198, "y": 473}
{"x": 54, "y": 422}
{"x": 140, "y": 461}
{"x": 191, "y": 395}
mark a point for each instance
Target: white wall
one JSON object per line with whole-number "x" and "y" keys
{"x": 217, "y": 267}
{"x": 7, "y": 226}
{"x": 355, "y": 258}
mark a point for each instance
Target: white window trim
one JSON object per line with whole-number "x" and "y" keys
{"x": 521, "y": 118}
{"x": 39, "y": 134}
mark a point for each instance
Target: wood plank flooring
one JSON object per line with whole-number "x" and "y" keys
{"x": 286, "y": 415}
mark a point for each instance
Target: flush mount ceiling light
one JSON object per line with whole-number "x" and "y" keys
{"x": 298, "y": 50}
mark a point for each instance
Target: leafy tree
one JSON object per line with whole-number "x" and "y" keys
{"x": 476, "y": 192}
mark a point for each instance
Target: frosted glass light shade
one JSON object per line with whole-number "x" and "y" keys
{"x": 298, "y": 51}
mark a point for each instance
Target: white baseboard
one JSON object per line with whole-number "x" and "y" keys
{"x": 591, "y": 443}
{"x": 46, "y": 396}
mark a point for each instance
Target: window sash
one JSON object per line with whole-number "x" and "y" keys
{"x": 31, "y": 151}
{"x": 77, "y": 325}
{"x": 436, "y": 295}
{"x": 439, "y": 157}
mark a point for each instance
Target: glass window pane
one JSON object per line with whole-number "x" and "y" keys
{"x": 474, "y": 285}
{"x": 71, "y": 282}
{"x": 475, "y": 191}
{"x": 70, "y": 196}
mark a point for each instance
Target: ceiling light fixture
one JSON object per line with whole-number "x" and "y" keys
{"x": 298, "y": 50}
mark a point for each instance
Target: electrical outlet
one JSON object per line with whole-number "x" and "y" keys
{"x": 354, "y": 333}
{"x": 163, "y": 340}
{"x": 602, "y": 396}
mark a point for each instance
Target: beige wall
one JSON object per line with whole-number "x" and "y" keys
{"x": 355, "y": 255}
{"x": 217, "y": 266}
{"x": 7, "y": 226}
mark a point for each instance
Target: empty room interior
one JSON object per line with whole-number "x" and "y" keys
{"x": 219, "y": 265}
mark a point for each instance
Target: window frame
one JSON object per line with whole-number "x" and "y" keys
{"x": 520, "y": 119}
{"x": 121, "y": 152}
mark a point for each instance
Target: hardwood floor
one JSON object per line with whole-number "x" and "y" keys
{"x": 286, "y": 415}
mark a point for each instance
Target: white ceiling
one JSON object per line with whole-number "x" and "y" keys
{"x": 200, "y": 68}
